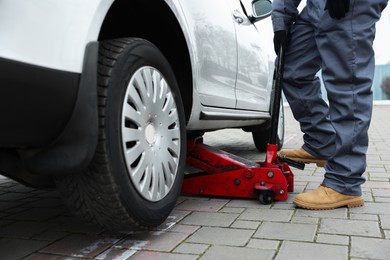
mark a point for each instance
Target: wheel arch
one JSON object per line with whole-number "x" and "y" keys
{"x": 157, "y": 22}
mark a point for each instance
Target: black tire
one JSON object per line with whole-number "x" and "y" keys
{"x": 262, "y": 137}
{"x": 110, "y": 191}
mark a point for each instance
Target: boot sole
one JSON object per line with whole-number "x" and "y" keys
{"x": 351, "y": 203}
{"x": 319, "y": 163}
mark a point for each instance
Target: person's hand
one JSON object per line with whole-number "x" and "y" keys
{"x": 337, "y": 8}
{"x": 280, "y": 40}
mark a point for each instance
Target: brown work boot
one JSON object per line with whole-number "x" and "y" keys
{"x": 326, "y": 198}
{"x": 300, "y": 155}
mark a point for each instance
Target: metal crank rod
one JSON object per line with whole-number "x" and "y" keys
{"x": 278, "y": 80}
{"x": 277, "y": 97}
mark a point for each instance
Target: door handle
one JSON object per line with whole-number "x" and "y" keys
{"x": 238, "y": 16}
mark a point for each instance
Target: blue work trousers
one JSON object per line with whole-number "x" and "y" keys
{"x": 343, "y": 51}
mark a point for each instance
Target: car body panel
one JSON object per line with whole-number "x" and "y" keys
{"x": 228, "y": 54}
{"x": 55, "y": 33}
{"x": 212, "y": 33}
{"x": 252, "y": 90}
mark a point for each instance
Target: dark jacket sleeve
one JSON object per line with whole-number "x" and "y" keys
{"x": 284, "y": 13}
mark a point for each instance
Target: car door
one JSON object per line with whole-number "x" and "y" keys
{"x": 214, "y": 48}
{"x": 255, "y": 59}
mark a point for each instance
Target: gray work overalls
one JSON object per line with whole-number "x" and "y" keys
{"x": 342, "y": 50}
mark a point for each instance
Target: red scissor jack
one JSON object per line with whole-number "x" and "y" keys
{"x": 225, "y": 174}
{"x": 228, "y": 175}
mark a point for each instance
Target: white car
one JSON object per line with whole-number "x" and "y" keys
{"x": 98, "y": 97}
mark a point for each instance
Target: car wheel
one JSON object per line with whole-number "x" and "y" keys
{"x": 262, "y": 137}
{"x": 136, "y": 174}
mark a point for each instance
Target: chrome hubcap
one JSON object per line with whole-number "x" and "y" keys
{"x": 150, "y": 134}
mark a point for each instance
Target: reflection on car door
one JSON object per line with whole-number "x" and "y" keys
{"x": 254, "y": 80}
{"x": 212, "y": 32}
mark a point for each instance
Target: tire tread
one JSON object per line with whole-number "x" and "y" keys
{"x": 93, "y": 193}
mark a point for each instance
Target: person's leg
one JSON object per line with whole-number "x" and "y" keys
{"x": 348, "y": 69}
{"x": 302, "y": 89}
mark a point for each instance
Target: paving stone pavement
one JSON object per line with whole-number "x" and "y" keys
{"x": 34, "y": 224}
